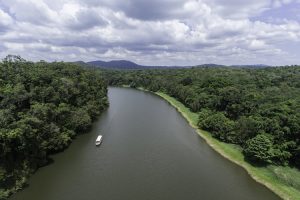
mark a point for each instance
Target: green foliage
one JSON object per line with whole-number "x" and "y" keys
{"x": 3, "y": 194}
{"x": 235, "y": 105}
{"x": 42, "y": 107}
{"x": 219, "y": 125}
{"x": 186, "y": 81}
{"x": 248, "y": 127}
{"x": 259, "y": 148}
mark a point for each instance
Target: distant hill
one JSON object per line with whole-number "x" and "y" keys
{"x": 117, "y": 64}
{"x": 127, "y": 65}
{"x": 120, "y": 64}
{"x": 252, "y": 66}
{"x": 210, "y": 65}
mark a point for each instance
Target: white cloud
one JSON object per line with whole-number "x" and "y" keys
{"x": 5, "y": 21}
{"x": 151, "y": 32}
{"x": 32, "y": 11}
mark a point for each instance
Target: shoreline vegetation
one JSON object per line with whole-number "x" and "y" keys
{"x": 251, "y": 115}
{"x": 43, "y": 107}
{"x": 270, "y": 177}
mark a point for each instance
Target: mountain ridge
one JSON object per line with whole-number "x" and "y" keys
{"x": 127, "y": 64}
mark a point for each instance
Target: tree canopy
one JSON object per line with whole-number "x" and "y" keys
{"x": 43, "y": 106}
{"x": 258, "y": 109}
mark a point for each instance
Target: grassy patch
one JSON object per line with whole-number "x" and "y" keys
{"x": 290, "y": 176}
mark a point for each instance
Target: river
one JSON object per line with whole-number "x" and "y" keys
{"x": 149, "y": 152}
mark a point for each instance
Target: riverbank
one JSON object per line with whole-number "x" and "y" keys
{"x": 283, "y": 181}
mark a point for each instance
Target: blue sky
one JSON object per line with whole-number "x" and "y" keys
{"x": 156, "y": 32}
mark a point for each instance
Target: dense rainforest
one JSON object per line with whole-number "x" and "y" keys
{"x": 43, "y": 106}
{"x": 258, "y": 109}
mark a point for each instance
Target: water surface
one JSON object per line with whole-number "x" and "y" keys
{"x": 149, "y": 152}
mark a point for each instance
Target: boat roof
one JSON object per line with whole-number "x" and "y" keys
{"x": 99, "y": 137}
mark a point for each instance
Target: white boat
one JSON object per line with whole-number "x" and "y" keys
{"x": 98, "y": 140}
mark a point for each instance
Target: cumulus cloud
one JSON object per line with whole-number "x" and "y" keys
{"x": 170, "y": 32}
{"x": 32, "y": 11}
{"x": 5, "y": 21}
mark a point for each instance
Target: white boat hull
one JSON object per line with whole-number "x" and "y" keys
{"x": 98, "y": 140}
